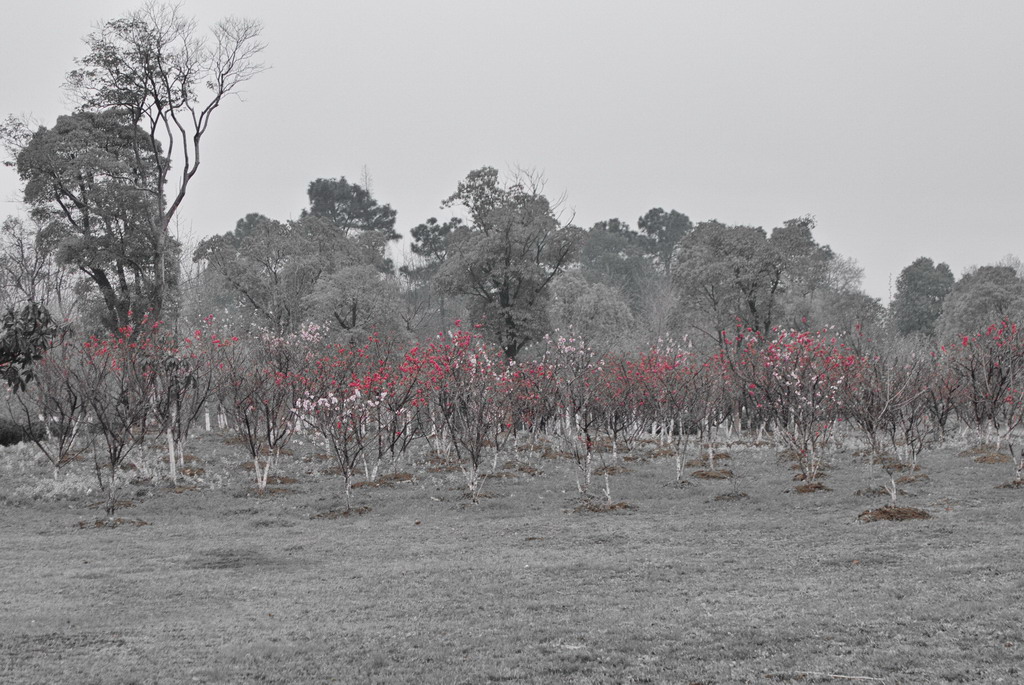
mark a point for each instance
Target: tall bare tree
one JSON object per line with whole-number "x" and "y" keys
{"x": 167, "y": 78}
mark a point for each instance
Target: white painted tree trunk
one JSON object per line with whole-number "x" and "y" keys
{"x": 171, "y": 460}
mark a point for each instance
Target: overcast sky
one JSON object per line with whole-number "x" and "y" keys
{"x": 899, "y": 125}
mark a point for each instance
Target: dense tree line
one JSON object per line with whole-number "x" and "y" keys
{"x": 104, "y": 183}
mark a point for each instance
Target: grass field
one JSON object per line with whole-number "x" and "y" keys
{"x": 715, "y": 581}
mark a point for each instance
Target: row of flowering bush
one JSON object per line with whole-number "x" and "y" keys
{"x": 365, "y": 405}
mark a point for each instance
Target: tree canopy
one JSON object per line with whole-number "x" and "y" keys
{"x": 25, "y": 335}
{"x": 350, "y": 207}
{"x": 327, "y": 265}
{"x": 94, "y": 192}
{"x": 663, "y": 231}
{"x": 982, "y": 297}
{"x": 741, "y": 275}
{"x": 505, "y": 257}
{"x": 921, "y": 289}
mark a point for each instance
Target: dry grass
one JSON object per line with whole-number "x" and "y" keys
{"x": 416, "y": 584}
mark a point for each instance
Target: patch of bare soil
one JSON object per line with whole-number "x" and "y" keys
{"x": 985, "y": 454}
{"x": 913, "y": 478}
{"x": 732, "y": 497}
{"x": 388, "y": 480}
{"x": 993, "y": 458}
{"x": 594, "y": 506}
{"x": 712, "y": 474}
{"x": 610, "y": 470}
{"x": 273, "y": 523}
{"x": 112, "y": 523}
{"x": 1013, "y": 484}
{"x": 812, "y": 486}
{"x": 341, "y": 513}
{"x": 892, "y": 464}
{"x": 891, "y": 512}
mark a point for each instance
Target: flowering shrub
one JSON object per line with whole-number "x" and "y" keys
{"x": 366, "y": 405}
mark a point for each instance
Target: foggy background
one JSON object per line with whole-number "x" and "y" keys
{"x": 897, "y": 125}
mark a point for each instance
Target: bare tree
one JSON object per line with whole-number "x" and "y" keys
{"x": 29, "y": 274}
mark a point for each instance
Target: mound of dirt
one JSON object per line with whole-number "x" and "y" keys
{"x": 704, "y": 462}
{"x": 716, "y": 474}
{"x": 602, "y": 507}
{"x": 993, "y": 458}
{"x": 521, "y": 467}
{"x": 732, "y": 497}
{"x": 388, "y": 480}
{"x": 891, "y": 512}
{"x": 112, "y": 523}
{"x": 986, "y": 454}
{"x": 341, "y": 513}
